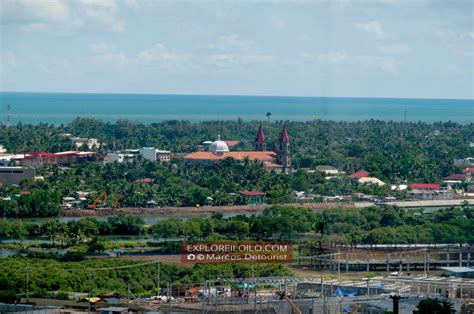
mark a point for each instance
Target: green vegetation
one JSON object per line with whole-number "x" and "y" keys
{"x": 370, "y": 225}
{"x": 48, "y": 275}
{"x": 391, "y": 151}
{"x": 430, "y": 306}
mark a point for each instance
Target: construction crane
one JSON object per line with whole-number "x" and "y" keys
{"x": 102, "y": 197}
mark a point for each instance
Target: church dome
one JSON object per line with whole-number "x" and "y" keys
{"x": 218, "y": 147}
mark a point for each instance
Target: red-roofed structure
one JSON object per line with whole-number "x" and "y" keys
{"x": 252, "y": 193}
{"x": 457, "y": 177}
{"x": 145, "y": 180}
{"x": 254, "y": 197}
{"x": 284, "y": 137}
{"x": 262, "y": 156}
{"x": 425, "y": 186}
{"x": 359, "y": 174}
{"x": 260, "y": 135}
{"x": 232, "y": 143}
{"x": 469, "y": 170}
{"x": 277, "y": 161}
{"x": 38, "y": 159}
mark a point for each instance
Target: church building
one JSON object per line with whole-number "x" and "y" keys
{"x": 278, "y": 160}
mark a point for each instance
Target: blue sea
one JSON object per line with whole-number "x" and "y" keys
{"x": 57, "y": 108}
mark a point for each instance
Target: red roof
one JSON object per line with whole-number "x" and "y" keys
{"x": 456, "y": 177}
{"x": 252, "y": 193}
{"x": 231, "y": 143}
{"x": 427, "y": 186}
{"x": 145, "y": 180}
{"x": 260, "y": 135}
{"x": 469, "y": 170}
{"x": 39, "y": 154}
{"x": 66, "y": 154}
{"x": 359, "y": 174}
{"x": 284, "y": 134}
{"x": 263, "y": 156}
{"x": 269, "y": 164}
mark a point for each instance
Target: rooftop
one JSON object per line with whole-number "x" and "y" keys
{"x": 359, "y": 174}
{"x": 458, "y": 269}
{"x": 325, "y": 167}
{"x": 264, "y": 156}
{"x": 456, "y": 177}
{"x": 252, "y": 193}
{"x": 429, "y": 186}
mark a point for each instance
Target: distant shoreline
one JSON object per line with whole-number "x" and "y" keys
{"x": 62, "y": 108}
{"x": 226, "y": 95}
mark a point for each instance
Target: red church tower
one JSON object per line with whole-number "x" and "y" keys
{"x": 260, "y": 140}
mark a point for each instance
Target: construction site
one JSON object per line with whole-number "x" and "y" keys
{"x": 354, "y": 281}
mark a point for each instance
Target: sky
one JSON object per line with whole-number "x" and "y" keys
{"x": 340, "y": 48}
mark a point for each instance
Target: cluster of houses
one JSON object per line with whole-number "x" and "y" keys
{"x": 16, "y": 167}
{"x": 415, "y": 191}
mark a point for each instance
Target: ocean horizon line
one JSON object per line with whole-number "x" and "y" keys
{"x": 228, "y": 95}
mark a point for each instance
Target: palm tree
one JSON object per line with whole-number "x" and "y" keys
{"x": 269, "y": 114}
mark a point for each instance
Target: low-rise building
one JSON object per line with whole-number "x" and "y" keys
{"x": 458, "y": 272}
{"x": 155, "y": 154}
{"x": 254, "y": 197}
{"x": 359, "y": 174}
{"x": 39, "y": 159}
{"x": 328, "y": 170}
{"x": 14, "y": 175}
{"x": 429, "y": 191}
{"x": 371, "y": 180}
{"x": 149, "y": 153}
{"x": 457, "y": 178}
{"x": 464, "y": 162}
{"x": 91, "y": 143}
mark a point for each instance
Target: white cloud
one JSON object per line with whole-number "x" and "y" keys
{"x": 161, "y": 56}
{"x": 41, "y": 15}
{"x": 373, "y": 28}
{"x": 231, "y": 42}
{"x": 278, "y": 23}
{"x": 34, "y": 27}
{"x": 101, "y": 47}
{"x": 231, "y": 60}
{"x": 30, "y": 11}
{"x": 8, "y": 61}
{"x": 343, "y": 59}
{"x": 394, "y": 49}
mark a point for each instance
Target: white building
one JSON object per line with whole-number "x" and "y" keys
{"x": 3, "y": 150}
{"x": 155, "y": 154}
{"x": 372, "y": 180}
{"x": 149, "y": 153}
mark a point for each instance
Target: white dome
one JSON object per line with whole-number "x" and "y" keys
{"x": 218, "y": 147}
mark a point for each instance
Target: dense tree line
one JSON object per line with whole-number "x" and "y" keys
{"x": 173, "y": 184}
{"x": 389, "y": 150}
{"x": 370, "y": 225}
{"x": 50, "y": 275}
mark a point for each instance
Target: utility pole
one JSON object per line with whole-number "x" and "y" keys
{"x": 396, "y": 298}
{"x": 204, "y": 297}
{"x": 89, "y": 276}
{"x": 169, "y": 297}
{"x": 158, "y": 277}
{"x": 27, "y": 282}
